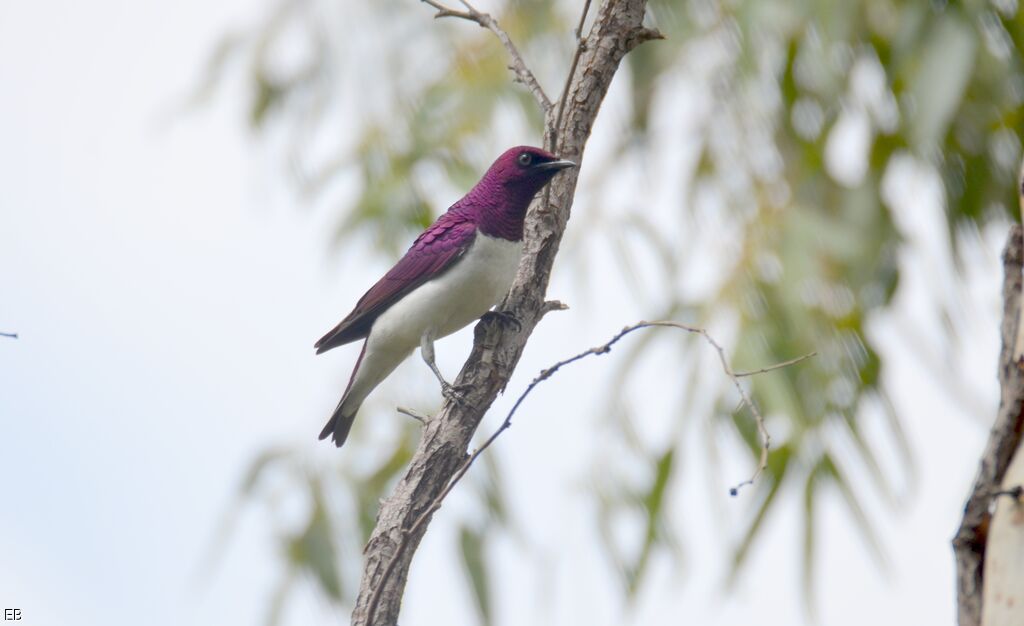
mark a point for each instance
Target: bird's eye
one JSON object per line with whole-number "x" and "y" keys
{"x": 525, "y": 159}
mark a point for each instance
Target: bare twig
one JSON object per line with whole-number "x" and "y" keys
{"x": 553, "y": 305}
{"x": 517, "y": 64}
{"x": 419, "y": 417}
{"x": 548, "y": 373}
{"x": 1014, "y": 493}
{"x": 776, "y": 366}
{"x": 11, "y": 335}
{"x": 762, "y": 431}
{"x": 581, "y": 43}
{"x": 583, "y": 18}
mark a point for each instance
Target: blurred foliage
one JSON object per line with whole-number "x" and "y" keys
{"x": 805, "y": 109}
{"x": 650, "y": 499}
{"x": 323, "y": 514}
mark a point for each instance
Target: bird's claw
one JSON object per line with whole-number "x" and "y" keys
{"x": 505, "y": 317}
{"x": 452, "y": 393}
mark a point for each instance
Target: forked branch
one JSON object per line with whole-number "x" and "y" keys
{"x": 548, "y": 373}
{"x": 518, "y": 66}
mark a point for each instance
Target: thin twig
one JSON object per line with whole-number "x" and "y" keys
{"x": 548, "y": 373}
{"x": 1015, "y": 493}
{"x": 581, "y": 44}
{"x": 762, "y": 430}
{"x": 419, "y": 417}
{"x": 518, "y": 65}
{"x": 556, "y": 129}
{"x": 583, "y": 18}
{"x": 776, "y": 366}
{"x": 11, "y": 335}
{"x": 553, "y": 305}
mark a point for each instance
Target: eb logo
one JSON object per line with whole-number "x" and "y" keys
{"x": 12, "y": 615}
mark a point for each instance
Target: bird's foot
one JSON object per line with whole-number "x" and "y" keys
{"x": 453, "y": 393}
{"x": 504, "y": 317}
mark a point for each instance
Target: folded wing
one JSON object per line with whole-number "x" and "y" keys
{"x": 430, "y": 255}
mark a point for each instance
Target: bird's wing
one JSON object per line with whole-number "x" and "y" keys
{"x": 432, "y": 253}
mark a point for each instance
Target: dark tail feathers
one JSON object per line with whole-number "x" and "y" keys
{"x": 338, "y": 425}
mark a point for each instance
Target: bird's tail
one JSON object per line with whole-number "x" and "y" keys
{"x": 344, "y": 414}
{"x": 339, "y": 424}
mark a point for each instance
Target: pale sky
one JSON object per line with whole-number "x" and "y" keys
{"x": 167, "y": 289}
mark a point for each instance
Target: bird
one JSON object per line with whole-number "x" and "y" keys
{"x": 455, "y": 271}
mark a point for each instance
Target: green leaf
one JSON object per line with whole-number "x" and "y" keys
{"x": 371, "y": 488}
{"x": 474, "y": 562}
{"x": 654, "y": 525}
{"x": 869, "y": 534}
{"x": 937, "y": 87}
{"x": 312, "y": 549}
{"x": 263, "y": 461}
{"x": 810, "y": 498}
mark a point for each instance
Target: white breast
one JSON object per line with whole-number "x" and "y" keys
{"x": 467, "y": 290}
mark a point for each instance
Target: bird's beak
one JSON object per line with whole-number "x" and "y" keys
{"x": 553, "y": 165}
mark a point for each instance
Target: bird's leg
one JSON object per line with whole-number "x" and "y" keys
{"x": 505, "y": 317}
{"x": 427, "y": 351}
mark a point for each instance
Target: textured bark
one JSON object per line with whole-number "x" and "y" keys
{"x": 1003, "y": 595}
{"x": 971, "y": 539}
{"x": 498, "y": 345}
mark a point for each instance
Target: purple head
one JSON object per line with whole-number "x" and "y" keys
{"x": 504, "y": 193}
{"x": 525, "y": 168}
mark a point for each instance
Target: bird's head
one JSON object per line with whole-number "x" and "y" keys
{"x": 502, "y": 196}
{"x": 523, "y": 170}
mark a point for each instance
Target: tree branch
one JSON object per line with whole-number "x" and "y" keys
{"x": 548, "y": 373}
{"x": 497, "y": 346}
{"x": 518, "y": 66}
{"x": 581, "y": 43}
{"x": 1004, "y": 438}
{"x": 644, "y": 34}
{"x": 416, "y": 415}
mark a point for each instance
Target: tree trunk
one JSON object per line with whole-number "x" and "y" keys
{"x": 497, "y": 346}
{"x": 1003, "y": 597}
{"x": 986, "y": 569}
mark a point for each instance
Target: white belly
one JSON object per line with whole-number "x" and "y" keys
{"x": 450, "y": 302}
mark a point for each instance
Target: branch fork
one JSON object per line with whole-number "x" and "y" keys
{"x": 517, "y": 65}
{"x": 435, "y": 504}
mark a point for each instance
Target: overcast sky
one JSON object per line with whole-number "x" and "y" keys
{"x": 167, "y": 292}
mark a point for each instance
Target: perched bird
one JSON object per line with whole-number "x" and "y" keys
{"x": 460, "y": 267}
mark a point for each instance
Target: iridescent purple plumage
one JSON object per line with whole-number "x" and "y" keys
{"x": 431, "y": 254}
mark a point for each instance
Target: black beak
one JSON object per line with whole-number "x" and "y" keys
{"x": 553, "y": 165}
